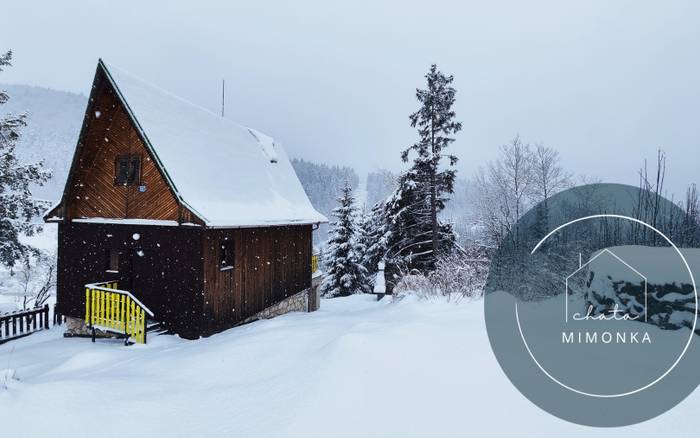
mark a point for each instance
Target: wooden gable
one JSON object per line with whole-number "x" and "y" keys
{"x": 108, "y": 133}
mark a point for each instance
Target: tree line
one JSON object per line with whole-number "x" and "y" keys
{"x": 411, "y": 233}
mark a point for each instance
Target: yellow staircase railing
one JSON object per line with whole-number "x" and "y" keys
{"x": 110, "y": 309}
{"x": 314, "y": 263}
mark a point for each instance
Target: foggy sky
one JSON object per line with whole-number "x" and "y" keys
{"x": 606, "y": 83}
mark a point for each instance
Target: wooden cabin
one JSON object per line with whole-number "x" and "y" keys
{"x": 168, "y": 207}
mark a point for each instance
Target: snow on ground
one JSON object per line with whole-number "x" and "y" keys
{"x": 356, "y": 367}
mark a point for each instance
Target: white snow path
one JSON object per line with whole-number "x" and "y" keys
{"x": 356, "y": 367}
{"x": 361, "y": 193}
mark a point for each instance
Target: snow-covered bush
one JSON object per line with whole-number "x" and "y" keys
{"x": 458, "y": 274}
{"x": 455, "y": 275}
{"x": 31, "y": 281}
{"x": 414, "y": 284}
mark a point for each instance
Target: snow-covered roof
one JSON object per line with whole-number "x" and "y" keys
{"x": 229, "y": 175}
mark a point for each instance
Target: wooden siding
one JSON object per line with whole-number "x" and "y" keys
{"x": 163, "y": 269}
{"x": 108, "y": 133}
{"x": 270, "y": 265}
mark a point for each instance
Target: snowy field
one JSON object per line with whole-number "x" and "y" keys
{"x": 356, "y": 367}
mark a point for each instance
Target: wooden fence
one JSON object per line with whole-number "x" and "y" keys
{"x": 18, "y": 324}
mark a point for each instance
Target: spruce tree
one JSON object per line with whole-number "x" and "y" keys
{"x": 345, "y": 274}
{"x": 17, "y": 206}
{"x": 435, "y": 121}
{"x": 408, "y": 235}
{"x": 415, "y": 235}
{"x": 371, "y": 237}
{"x": 374, "y": 233}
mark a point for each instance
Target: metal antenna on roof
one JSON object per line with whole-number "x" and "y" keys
{"x": 223, "y": 96}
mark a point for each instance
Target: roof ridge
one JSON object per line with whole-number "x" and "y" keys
{"x": 168, "y": 93}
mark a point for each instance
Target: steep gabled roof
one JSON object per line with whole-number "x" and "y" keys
{"x": 227, "y": 174}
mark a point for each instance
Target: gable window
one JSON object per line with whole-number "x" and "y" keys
{"x": 112, "y": 260}
{"x": 226, "y": 255}
{"x": 127, "y": 170}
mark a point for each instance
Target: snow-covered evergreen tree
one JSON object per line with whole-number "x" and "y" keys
{"x": 345, "y": 274}
{"x": 17, "y": 206}
{"x": 415, "y": 237}
{"x": 408, "y": 234}
{"x": 373, "y": 232}
{"x": 435, "y": 121}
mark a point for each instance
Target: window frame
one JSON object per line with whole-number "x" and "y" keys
{"x": 131, "y": 178}
{"x": 227, "y": 255}
{"x": 112, "y": 260}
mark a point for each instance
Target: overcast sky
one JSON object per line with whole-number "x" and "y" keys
{"x": 606, "y": 83}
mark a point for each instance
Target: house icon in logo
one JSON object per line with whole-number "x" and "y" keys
{"x": 613, "y": 258}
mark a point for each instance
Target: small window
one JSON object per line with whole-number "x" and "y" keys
{"x": 127, "y": 170}
{"x": 226, "y": 255}
{"x": 112, "y": 260}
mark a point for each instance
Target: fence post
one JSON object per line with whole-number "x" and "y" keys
{"x": 46, "y": 316}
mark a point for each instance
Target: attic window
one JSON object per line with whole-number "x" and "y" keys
{"x": 226, "y": 255}
{"x": 127, "y": 170}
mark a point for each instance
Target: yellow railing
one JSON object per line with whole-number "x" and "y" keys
{"x": 314, "y": 263}
{"x": 113, "y": 310}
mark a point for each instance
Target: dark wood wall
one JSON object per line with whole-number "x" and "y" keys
{"x": 108, "y": 133}
{"x": 163, "y": 269}
{"x": 175, "y": 271}
{"x": 270, "y": 264}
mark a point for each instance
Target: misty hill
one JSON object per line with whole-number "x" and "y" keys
{"x": 53, "y": 125}
{"x": 322, "y": 182}
{"x": 380, "y": 184}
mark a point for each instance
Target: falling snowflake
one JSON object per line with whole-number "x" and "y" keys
{"x": 136, "y": 236}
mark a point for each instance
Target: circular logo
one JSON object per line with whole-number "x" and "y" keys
{"x": 591, "y": 305}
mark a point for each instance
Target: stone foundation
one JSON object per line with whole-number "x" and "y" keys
{"x": 299, "y": 302}
{"x": 77, "y": 327}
